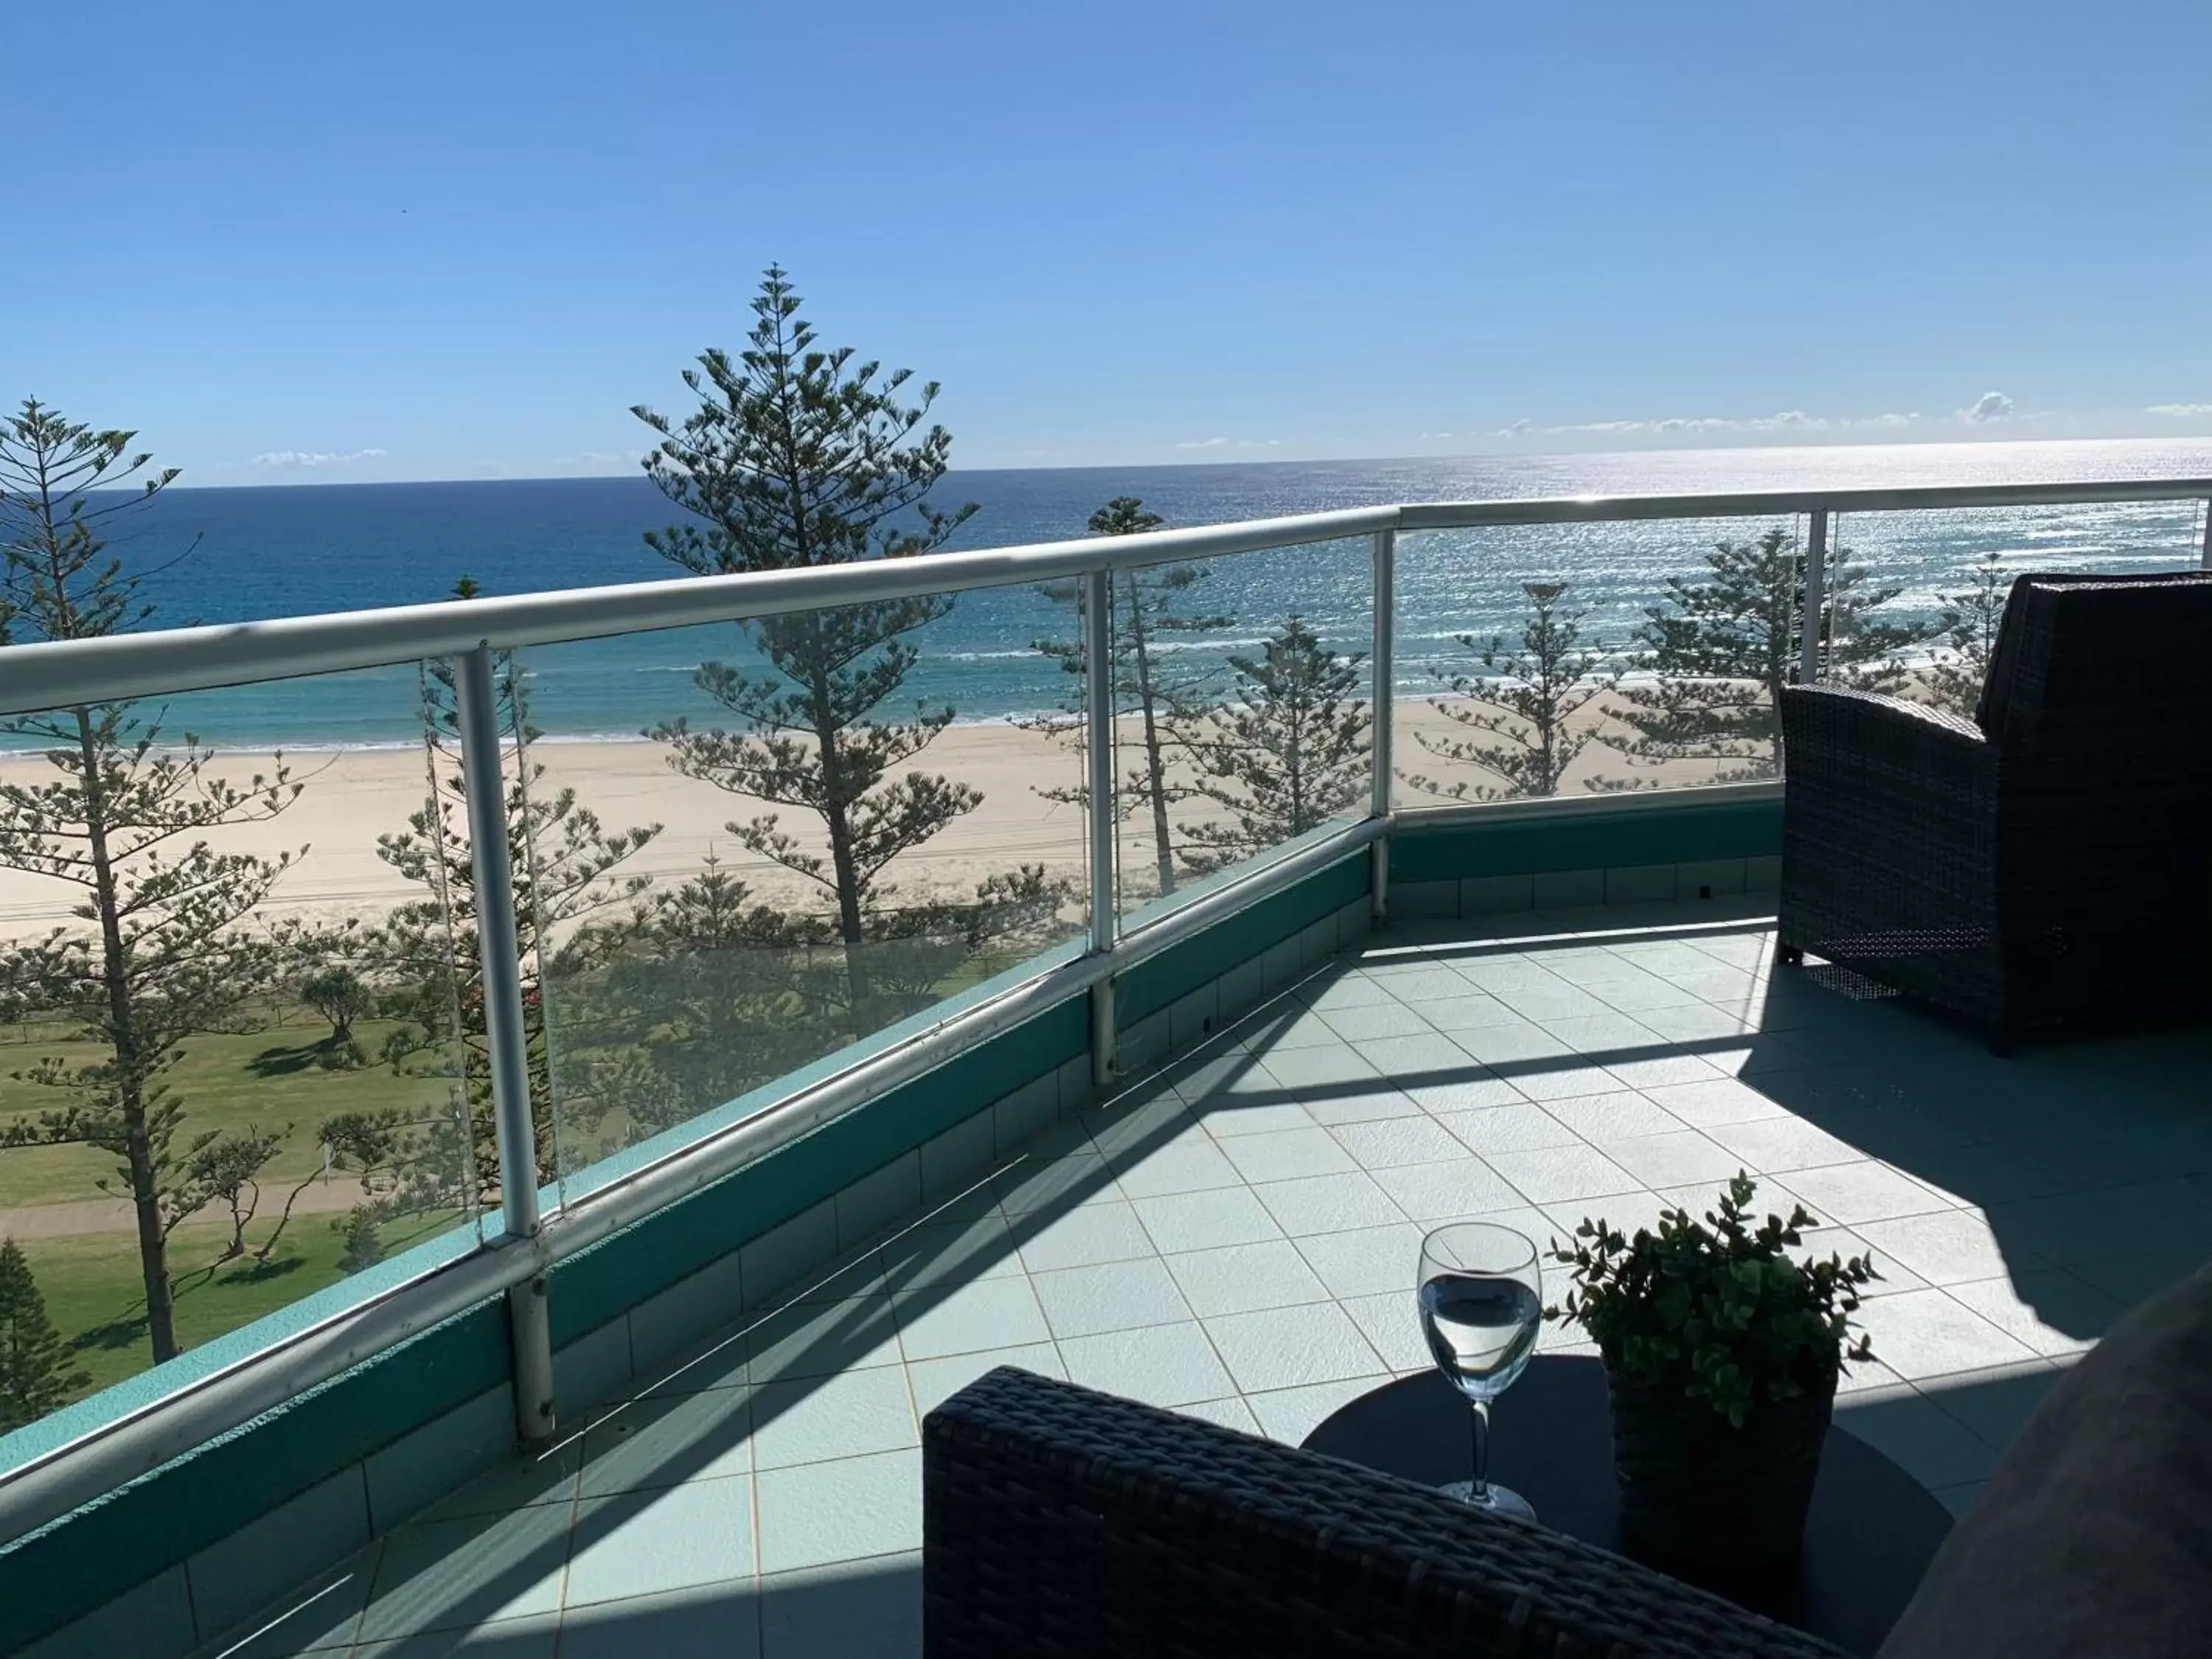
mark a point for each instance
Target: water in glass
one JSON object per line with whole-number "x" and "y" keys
{"x": 1480, "y": 1297}
{"x": 1481, "y": 1331}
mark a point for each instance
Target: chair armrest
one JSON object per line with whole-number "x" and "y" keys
{"x": 1889, "y": 827}
{"x": 1830, "y": 733}
{"x": 1870, "y": 779}
{"x": 1060, "y": 1521}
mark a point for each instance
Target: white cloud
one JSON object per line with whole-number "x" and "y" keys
{"x": 291, "y": 458}
{"x": 1990, "y": 406}
{"x": 2181, "y": 412}
{"x": 1203, "y": 443}
{"x": 1232, "y": 443}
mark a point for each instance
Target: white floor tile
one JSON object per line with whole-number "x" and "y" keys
{"x": 1326, "y": 1204}
{"x": 1180, "y": 1222}
{"x": 1287, "y": 1347}
{"x": 1114, "y": 1296}
{"x": 1167, "y": 1365}
{"x": 993, "y": 1313}
{"x": 1557, "y": 1173}
{"x": 817, "y": 1513}
{"x": 1245, "y": 1278}
{"x": 1366, "y": 1259}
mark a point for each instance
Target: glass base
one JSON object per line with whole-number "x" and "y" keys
{"x": 1498, "y": 1500}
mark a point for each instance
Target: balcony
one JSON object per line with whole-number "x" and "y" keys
{"x": 1234, "y": 1236}
{"x": 1186, "y": 1158}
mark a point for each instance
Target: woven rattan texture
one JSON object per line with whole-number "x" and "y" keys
{"x": 1068, "y": 1524}
{"x": 2043, "y": 868}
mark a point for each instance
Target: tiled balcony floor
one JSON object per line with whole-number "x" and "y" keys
{"x": 1237, "y": 1237}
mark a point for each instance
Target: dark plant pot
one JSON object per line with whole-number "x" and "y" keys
{"x": 1710, "y": 1503}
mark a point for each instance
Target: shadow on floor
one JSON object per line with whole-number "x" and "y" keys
{"x": 2092, "y": 1161}
{"x": 855, "y": 1607}
{"x": 865, "y": 1607}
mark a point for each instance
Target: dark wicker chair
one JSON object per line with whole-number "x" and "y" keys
{"x": 2043, "y": 867}
{"x": 1064, "y": 1522}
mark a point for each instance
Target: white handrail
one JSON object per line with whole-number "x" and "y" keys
{"x": 64, "y": 673}
{"x": 1779, "y": 503}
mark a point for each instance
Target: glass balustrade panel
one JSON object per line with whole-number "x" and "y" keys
{"x": 1591, "y": 659}
{"x": 751, "y": 852}
{"x": 241, "y": 1062}
{"x": 1935, "y": 583}
{"x": 1243, "y": 713}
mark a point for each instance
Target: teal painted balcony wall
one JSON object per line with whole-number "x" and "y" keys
{"x": 1599, "y": 839}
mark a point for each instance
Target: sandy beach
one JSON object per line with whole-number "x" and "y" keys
{"x": 353, "y": 796}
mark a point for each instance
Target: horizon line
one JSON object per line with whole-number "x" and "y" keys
{"x": 1949, "y": 442}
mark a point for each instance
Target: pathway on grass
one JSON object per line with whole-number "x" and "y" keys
{"x": 115, "y": 1215}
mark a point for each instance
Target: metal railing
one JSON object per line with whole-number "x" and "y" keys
{"x": 46, "y": 676}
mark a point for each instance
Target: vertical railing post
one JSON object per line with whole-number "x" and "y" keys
{"x": 1100, "y": 804}
{"x": 1816, "y": 583}
{"x": 506, "y": 1040}
{"x": 1383, "y": 667}
{"x": 2204, "y": 552}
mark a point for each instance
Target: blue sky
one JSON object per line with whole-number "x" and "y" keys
{"x": 460, "y": 239}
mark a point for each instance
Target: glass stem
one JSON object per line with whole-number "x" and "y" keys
{"x": 1479, "y": 1488}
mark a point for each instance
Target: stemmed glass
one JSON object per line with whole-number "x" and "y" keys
{"x": 1482, "y": 1304}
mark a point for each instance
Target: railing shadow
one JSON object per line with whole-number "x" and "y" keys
{"x": 1891, "y": 1082}
{"x": 482, "y": 1559}
{"x": 872, "y": 1607}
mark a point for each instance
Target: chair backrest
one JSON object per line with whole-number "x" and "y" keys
{"x": 2096, "y": 669}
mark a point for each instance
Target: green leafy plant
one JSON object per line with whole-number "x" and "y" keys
{"x": 1719, "y": 1310}
{"x": 168, "y": 937}
{"x": 364, "y": 1244}
{"x": 795, "y": 458}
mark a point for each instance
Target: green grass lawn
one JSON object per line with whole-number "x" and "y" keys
{"x": 96, "y": 1299}
{"x": 266, "y": 1079}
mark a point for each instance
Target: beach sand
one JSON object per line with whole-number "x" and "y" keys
{"x": 353, "y": 796}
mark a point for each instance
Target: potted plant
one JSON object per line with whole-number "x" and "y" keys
{"x": 1721, "y": 1354}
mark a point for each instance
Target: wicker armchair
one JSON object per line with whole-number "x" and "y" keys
{"x": 2044, "y": 865}
{"x": 1057, "y": 1521}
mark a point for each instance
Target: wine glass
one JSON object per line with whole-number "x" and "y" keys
{"x": 1482, "y": 1304}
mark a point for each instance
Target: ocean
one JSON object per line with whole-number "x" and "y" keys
{"x": 298, "y": 549}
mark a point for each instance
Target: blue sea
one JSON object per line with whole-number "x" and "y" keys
{"x": 294, "y": 550}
